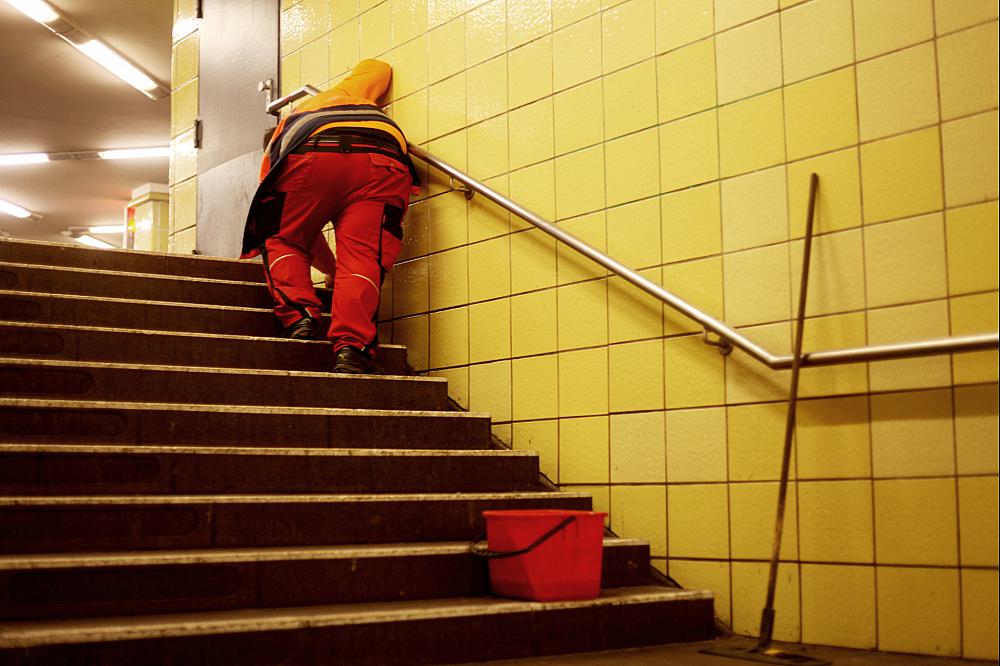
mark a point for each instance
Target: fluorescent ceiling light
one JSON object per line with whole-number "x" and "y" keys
{"x": 23, "y": 158}
{"x": 108, "y": 229}
{"x": 14, "y": 209}
{"x": 38, "y": 10}
{"x": 133, "y": 153}
{"x": 114, "y": 63}
{"x": 93, "y": 242}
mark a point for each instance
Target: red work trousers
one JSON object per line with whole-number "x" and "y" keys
{"x": 365, "y": 196}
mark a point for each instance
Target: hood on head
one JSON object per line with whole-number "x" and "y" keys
{"x": 370, "y": 80}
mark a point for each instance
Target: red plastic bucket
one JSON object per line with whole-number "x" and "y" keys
{"x": 565, "y": 566}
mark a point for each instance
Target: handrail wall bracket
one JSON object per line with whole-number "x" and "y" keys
{"x": 460, "y": 187}
{"x": 725, "y": 346}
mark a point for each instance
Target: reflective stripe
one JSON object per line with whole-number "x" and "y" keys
{"x": 284, "y": 256}
{"x": 367, "y": 279}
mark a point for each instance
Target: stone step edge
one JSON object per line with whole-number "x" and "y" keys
{"x": 129, "y": 274}
{"x": 52, "y": 632}
{"x": 304, "y": 498}
{"x": 197, "y": 369}
{"x": 304, "y": 452}
{"x": 190, "y": 334}
{"x": 132, "y": 301}
{"x": 36, "y": 562}
{"x": 194, "y": 258}
{"x": 33, "y": 403}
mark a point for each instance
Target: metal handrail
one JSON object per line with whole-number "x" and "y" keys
{"x": 274, "y": 107}
{"x": 728, "y": 335}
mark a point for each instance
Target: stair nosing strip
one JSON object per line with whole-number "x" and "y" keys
{"x": 39, "y": 403}
{"x": 20, "y": 635}
{"x": 305, "y": 452}
{"x": 143, "y": 331}
{"x": 38, "y": 562}
{"x": 116, "y": 299}
{"x": 305, "y": 498}
{"x": 53, "y": 362}
{"x": 191, "y": 334}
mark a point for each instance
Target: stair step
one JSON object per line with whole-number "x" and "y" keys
{"x": 137, "y": 286}
{"x": 118, "y": 345}
{"x": 134, "y": 261}
{"x": 24, "y": 378}
{"x": 25, "y": 306}
{"x": 134, "y": 423}
{"x": 404, "y": 633}
{"x": 80, "y": 524}
{"x": 91, "y": 585}
{"x": 115, "y": 470}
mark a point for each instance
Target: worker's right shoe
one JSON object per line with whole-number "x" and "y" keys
{"x": 351, "y": 360}
{"x": 303, "y": 329}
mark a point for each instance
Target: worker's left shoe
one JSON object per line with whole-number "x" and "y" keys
{"x": 304, "y": 329}
{"x": 351, "y": 360}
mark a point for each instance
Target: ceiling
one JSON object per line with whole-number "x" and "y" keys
{"x": 54, "y": 99}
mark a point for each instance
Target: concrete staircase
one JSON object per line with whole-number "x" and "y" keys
{"x": 179, "y": 486}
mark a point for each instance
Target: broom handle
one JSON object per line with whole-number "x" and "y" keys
{"x": 767, "y": 615}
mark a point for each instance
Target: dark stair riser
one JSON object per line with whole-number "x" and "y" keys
{"x": 410, "y": 643}
{"x": 139, "y": 315}
{"x": 231, "y": 388}
{"x": 151, "y": 525}
{"x": 56, "y": 280}
{"x": 133, "y": 262}
{"x": 92, "y": 474}
{"x": 155, "y": 348}
{"x": 166, "y": 588}
{"x": 165, "y": 427}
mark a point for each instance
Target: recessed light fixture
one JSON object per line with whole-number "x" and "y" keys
{"x": 80, "y": 39}
{"x": 108, "y": 229}
{"x": 117, "y": 65}
{"x": 134, "y": 153}
{"x": 17, "y": 211}
{"x": 37, "y": 10}
{"x": 93, "y": 242}
{"x": 20, "y": 159}
{"x": 23, "y": 158}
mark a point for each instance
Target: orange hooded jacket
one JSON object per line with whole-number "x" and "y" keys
{"x": 362, "y": 87}
{"x": 351, "y": 103}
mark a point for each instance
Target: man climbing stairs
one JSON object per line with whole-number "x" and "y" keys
{"x": 178, "y": 486}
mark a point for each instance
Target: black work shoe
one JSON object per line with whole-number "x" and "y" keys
{"x": 351, "y": 360}
{"x": 303, "y": 329}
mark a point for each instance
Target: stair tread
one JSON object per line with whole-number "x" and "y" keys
{"x": 118, "y": 299}
{"x": 33, "y": 633}
{"x": 235, "y": 336}
{"x": 194, "y": 258}
{"x": 130, "y": 274}
{"x": 302, "y": 498}
{"x": 187, "y": 334}
{"x": 231, "y": 555}
{"x": 261, "y": 451}
{"x": 243, "y": 409}
{"x": 58, "y": 363}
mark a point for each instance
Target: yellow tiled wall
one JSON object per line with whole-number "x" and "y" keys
{"x": 183, "y": 113}
{"x": 678, "y": 136}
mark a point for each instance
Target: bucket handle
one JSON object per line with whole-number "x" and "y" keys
{"x": 480, "y": 549}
